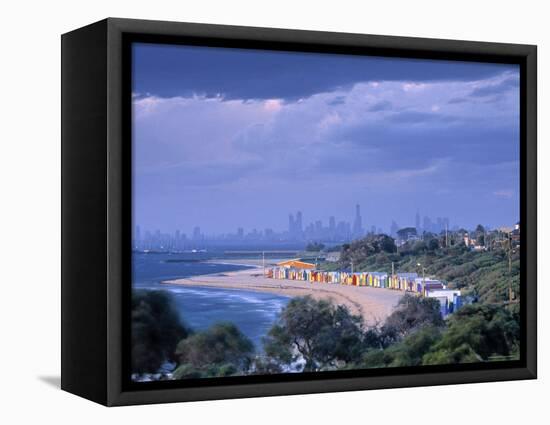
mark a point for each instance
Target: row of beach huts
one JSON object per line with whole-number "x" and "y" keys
{"x": 450, "y": 299}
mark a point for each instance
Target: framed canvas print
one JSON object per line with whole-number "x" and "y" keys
{"x": 252, "y": 212}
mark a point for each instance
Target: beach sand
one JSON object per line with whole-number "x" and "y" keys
{"x": 374, "y": 304}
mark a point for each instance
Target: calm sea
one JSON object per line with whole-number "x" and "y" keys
{"x": 199, "y": 307}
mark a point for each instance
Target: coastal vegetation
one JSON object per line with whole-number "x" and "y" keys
{"x": 221, "y": 350}
{"x": 487, "y": 276}
{"x": 156, "y": 329}
{"x": 317, "y": 335}
{"x": 314, "y": 247}
{"x": 475, "y": 333}
{"x": 312, "y": 335}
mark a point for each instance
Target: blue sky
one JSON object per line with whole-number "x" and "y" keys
{"x": 227, "y": 138}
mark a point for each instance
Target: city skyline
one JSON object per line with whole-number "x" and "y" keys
{"x": 426, "y": 222}
{"x": 226, "y": 150}
{"x": 298, "y": 231}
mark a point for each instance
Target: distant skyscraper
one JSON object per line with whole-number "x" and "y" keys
{"x": 418, "y": 228}
{"x": 136, "y": 238}
{"x": 299, "y": 228}
{"x": 440, "y": 225}
{"x": 291, "y": 225}
{"x": 318, "y": 229}
{"x": 196, "y": 233}
{"x": 240, "y": 233}
{"x": 357, "y": 223}
{"x": 343, "y": 230}
{"x": 427, "y": 224}
{"x": 332, "y": 227}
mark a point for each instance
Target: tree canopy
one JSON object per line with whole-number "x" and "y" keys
{"x": 408, "y": 352}
{"x": 476, "y": 333}
{"x": 318, "y": 332}
{"x": 314, "y": 335}
{"x": 221, "y": 350}
{"x": 412, "y": 313}
{"x": 315, "y": 247}
{"x": 361, "y": 249}
{"x": 156, "y": 329}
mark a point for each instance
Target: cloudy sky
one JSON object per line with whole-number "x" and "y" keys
{"x": 227, "y": 138}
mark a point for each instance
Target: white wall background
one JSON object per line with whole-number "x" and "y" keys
{"x": 30, "y": 211}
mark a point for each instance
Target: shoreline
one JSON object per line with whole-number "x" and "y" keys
{"x": 374, "y": 304}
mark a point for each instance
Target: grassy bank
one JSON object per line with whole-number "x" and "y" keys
{"x": 485, "y": 275}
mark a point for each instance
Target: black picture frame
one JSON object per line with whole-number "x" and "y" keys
{"x": 96, "y": 210}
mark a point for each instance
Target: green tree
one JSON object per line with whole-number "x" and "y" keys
{"x": 419, "y": 247}
{"x": 481, "y": 239}
{"x": 412, "y": 313}
{"x": 480, "y": 229}
{"x": 315, "y": 247}
{"x": 406, "y": 232}
{"x": 362, "y": 249}
{"x": 221, "y": 350}
{"x": 409, "y": 352}
{"x": 433, "y": 244}
{"x": 323, "y": 335}
{"x": 156, "y": 329}
{"x": 387, "y": 244}
{"x": 477, "y": 332}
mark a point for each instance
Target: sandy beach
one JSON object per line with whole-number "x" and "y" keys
{"x": 374, "y": 304}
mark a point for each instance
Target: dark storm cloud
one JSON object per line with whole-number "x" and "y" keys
{"x": 243, "y": 152}
{"x": 169, "y": 71}
{"x": 401, "y": 146}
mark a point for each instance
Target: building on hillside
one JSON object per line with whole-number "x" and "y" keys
{"x": 408, "y": 275}
{"x": 505, "y": 229}
{"x": 450, "y": 300}
{"x": 516, "y": 233}
{"x": 333, "y": 257}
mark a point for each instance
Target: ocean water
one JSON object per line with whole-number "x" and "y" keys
{"x": 252, "y": 312}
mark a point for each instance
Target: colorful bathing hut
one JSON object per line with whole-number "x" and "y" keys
{"x": 408, "y": 282}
